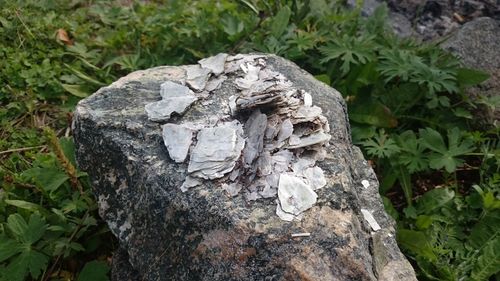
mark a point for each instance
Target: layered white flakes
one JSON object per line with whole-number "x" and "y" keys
{"x": 268, "y": 151}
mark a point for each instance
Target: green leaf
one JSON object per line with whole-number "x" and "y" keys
{"x": 27, "y": 232}
{"x": 28, "y": 261}
{"x": 17, "y": 225}
{"x": 416, "y": 242}
{"x": 378, "y": 114}
{"x": 471, "y": 77}
{"x": 405, "y": 182}
{"x": 412, "y": 152}
{"x": 36, "y": 229}
{"x": 445, "y": 156}
{"x": 323, "y": 78}
{"x": 486, "y": 230}
{"x": 8, "y": 248}
{"x": 49, "y": 179}
{"x": 76, "y": 90}
{"x": 350, "y": 50}
{"x": 280, "y": 22}
{"x": 488, "y": 262}
{"x": 433, "y": 200}
{"x": 380, "y": 145}
{"x": 389, "y": 208}
{"x": 25, "y": 205}
{"x": 231, "y": 24}
{"x": 423, "y": 222}
{"x": 94, "y": 271}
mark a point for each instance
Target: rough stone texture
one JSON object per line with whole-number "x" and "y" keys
{"x": 204, "y": 233}
{"x": 477, "y": 43}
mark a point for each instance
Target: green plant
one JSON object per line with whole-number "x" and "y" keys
{"x": 407, "y": 107}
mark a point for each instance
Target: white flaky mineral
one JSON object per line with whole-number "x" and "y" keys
{"x": 294, "y": 195}
{"x": 162, "y": 110}
{"x": 177, "y": 139}
{"x": 217, "y": 150}
{"x": 197, "y": 77}
{"x": 215, "y": 63}
{"x": 171, "y": 89}
{"x": 370, "y": 219}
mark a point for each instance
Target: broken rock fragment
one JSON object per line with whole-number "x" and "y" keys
{"x": 197, "y": 77}
{"x": 217, "y": 150}
{"x": 255, "y": 128}
{"x": 215, "y": 63}
{"x": 177, "y": 139}
{"x": 163, "y": 109}
{"x": 295, "y": 196}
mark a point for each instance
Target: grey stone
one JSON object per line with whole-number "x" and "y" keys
{"x": 213, "y": 231}
{"x": 477, "y": 43}
{"x": 177, "y": 139}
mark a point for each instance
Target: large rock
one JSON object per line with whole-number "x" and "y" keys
{"x": 477, "y": 43}
{"x": 234, "y": 210}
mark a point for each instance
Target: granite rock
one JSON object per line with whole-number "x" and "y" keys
{"x": 226, "y": 228}
{"x": 477, "y": 44}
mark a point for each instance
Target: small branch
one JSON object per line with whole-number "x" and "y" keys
{"x": 21, "y": 149}
{"x": 68, "y": 167}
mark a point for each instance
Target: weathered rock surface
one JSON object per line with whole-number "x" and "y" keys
{"x": 218, "y": 219}
{"x": 477, "y": 43}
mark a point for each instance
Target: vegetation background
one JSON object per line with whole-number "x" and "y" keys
{"x": 409, "y": 111}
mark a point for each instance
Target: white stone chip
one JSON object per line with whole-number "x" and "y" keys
{"x": 216, "y": 151}
{"x": 315, "y": 177}
{"x": 190, "y": 182}
{"x": 161, "y": 110}
{"x": 302, "y": 234}
{"x": 295, "y": 196}
{"x": 177, "y": 139}
{"x": 319, "y": 137}
{"x": 197, "y": 77}
{"x": 232, "y": 189}
{"x": 282, "y": 214}
{"x": 370, "y": 219}
{"x": 365, "y": 183}
{"x": 286, "y": 130}
{"x": 255, "y": 128}
{"x": 215, "y": 84}
{"x": 215, "y": 63}
{"x": 307, "y": 99}
{"x": 171, "y": 89}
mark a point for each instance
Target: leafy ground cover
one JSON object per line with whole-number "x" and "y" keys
{"x": 409, "y": 113}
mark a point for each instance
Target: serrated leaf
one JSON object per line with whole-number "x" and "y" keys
{"x": 49, "y": 179}
{"x": 17, "y": 225}
{"x": 487, "y": 229}
{"x": 434, "y": 199}
{"x": 488, "y": 262}
{"x": 412, "y": 152}
{"x": 36, "y": 229}
{"x": 280, "y": 21}
{"x": 94, "y": 271}
{"x": 28, "y": 261}
{"x": 8, "y": 248}
{"x": 350, "y": 51}
{"x": 445, "y": 156}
